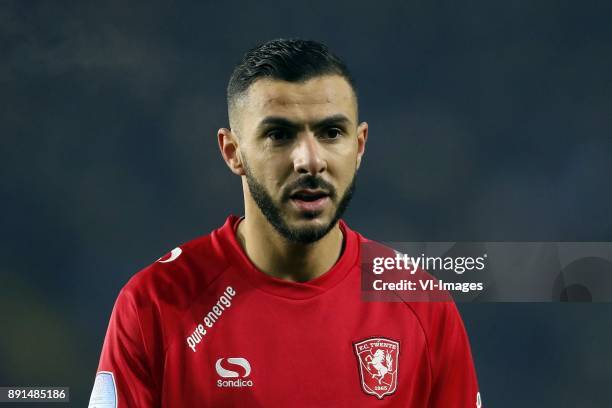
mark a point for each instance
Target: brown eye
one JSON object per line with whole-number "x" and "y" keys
{"x": 333, "y": 133}
{"x": 278, "y": 135}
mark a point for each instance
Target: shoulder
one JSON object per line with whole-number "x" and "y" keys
{"x": 383, "y": 263}
{"x": 178, "y": 276}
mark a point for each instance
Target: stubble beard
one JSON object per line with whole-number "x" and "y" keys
{"x": 272, "y": 212}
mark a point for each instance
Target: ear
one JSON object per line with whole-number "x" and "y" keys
{"x": 362, "y": 138}
{"x": 230, "y": 150}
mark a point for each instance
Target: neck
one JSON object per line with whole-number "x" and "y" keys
{"x": 274, "y": 255}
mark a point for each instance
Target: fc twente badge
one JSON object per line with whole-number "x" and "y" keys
{"x": 378, "y": 359}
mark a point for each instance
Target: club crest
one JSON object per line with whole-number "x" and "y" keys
{"x": 378, "y": 359}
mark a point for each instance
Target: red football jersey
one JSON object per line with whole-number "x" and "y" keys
{"x": 203, "y": 327}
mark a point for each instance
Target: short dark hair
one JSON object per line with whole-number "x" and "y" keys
{"x": 291, "y": 60}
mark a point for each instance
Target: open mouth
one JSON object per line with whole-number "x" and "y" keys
{"x": 308, "y": 196}
{"x": 310, "y": 200}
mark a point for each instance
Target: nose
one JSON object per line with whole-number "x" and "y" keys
{"x": 307, "y": 156}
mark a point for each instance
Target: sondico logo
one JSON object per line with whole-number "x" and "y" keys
{"x": 227, "y": 373}
{"x": 172, "y": 255}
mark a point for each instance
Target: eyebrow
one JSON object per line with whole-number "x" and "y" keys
{"x": 337, "y": 120}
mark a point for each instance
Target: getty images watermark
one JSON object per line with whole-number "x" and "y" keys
{"x": 487, "y": 271}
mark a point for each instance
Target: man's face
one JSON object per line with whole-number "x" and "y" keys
{"x": 300, "y": 147}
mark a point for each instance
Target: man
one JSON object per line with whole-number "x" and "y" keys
{"x": 266, "y": 310}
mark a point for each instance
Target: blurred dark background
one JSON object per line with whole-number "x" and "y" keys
{"x": 488, "y": 121}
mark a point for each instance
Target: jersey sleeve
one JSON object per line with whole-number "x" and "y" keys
{"x": 124, "y": 376}
{"x": 454, "y": 382}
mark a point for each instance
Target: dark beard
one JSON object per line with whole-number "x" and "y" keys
{"x": 273, "y": 213}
